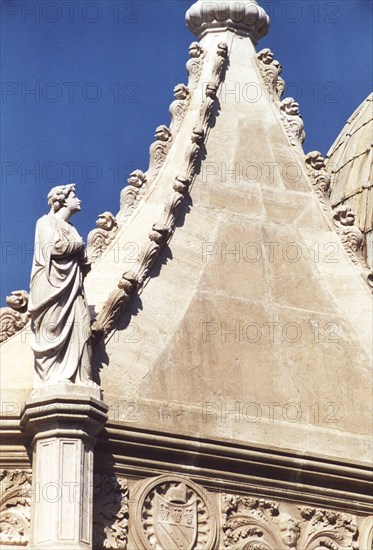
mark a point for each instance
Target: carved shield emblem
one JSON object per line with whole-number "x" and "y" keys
{"x": 176, "y": 524}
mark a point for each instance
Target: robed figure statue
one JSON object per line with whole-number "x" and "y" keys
{"x": 57, "y": 304}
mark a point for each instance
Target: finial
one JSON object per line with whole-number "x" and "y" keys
{"x": 246, "y": 18}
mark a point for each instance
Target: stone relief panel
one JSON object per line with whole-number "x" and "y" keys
{"x": 110, "y": 512}
{"x": 259, "y": 524}
{"x": 172, "y": 513}
{"x": 100, "y": 238}
{"x": 15, "y": 501}
{"x": 194, "y": 64}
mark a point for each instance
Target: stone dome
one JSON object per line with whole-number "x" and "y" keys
{"x": 350, "y": 161}
{"x": 245, "y": 18}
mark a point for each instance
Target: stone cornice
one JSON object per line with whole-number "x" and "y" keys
{"x": 234, "y": 466}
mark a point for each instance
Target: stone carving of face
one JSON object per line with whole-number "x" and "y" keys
{"x": 137, "y": 178}
{"x": 180, "y": 91}
{"x": 266, "y": 56}
{"x": 290, "y": 106}
{"x": 162, "y": 133}
{"x": 18, "y": 299}
{"x": 106, "y": 221}
{"x": 289, "y": 530}
{"x": 316, "y": 160}
{"x": 195, "y": 49}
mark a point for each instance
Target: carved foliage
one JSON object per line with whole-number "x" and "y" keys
{"x": 328, "y": 529}
{"x": 270, "y": 70}
{"x": 351, "y": 236}
{"x": 248, "y": 523}
{"x": 173, "y": 512}
{"x": 257, "y": 524}
{"x": 149, "y": 252}
{"x": 110, "y": 512}
{"x": 100, "y": 238}
{"x": 15, "y": 502}
{"x": 15, "y": 317}
{"x": 179, "y": 107}
{"x": 194, "y": 64}
{"x": 114, "y": 306}
{"x": 292, "y": 121}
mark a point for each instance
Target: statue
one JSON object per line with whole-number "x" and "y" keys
{"x": 57, "y": 304}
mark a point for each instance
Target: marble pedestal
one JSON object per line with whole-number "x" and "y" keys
{"x": 63, "y": 421}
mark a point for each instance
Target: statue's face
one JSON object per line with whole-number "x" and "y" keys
{"x": 72, "y": 202}
{"x": 288, "y": 534}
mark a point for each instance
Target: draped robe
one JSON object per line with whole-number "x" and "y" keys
{"x": 57, "y": 304}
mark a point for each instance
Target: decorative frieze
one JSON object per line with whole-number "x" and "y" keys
{"x": 131, "y": 194}
{"x": 292, "y": 121}
{"x": 259, "y": 524}
{"x": 15, "y": 317}
{"x": 110, "y": 512}
{"x": 172, "y": 512}
{"x": 270, "y": 69}
{"x": 15, "y": 500}
{"x": 100, "y": 238}
{"x": 179, "y": 107}
{"x": 194, "y": 64}
{"x": 351, "y": 236}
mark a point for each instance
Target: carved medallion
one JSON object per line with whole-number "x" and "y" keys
{"x": 172, "y": 513}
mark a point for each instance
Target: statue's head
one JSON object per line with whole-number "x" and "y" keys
{"x": 106, "y": 221}
{"x": 195, "y": 50}
{"x": 289, "y": 530}
{"x": 63, "y": 196}
{"x": 290, "y": 106}
{"x": 181, "y": 91}
{"x": 137, "y": 178}
{"x": 163, "y": 133}
{"x": 265, "y": 56}
{"x": 315, "y": 160}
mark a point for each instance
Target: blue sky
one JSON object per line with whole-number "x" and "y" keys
{"x": 85, "y": 83}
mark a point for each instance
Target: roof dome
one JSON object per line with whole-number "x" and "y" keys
{"x": 245, "y": 18}
{"x": 350, "y": 162}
